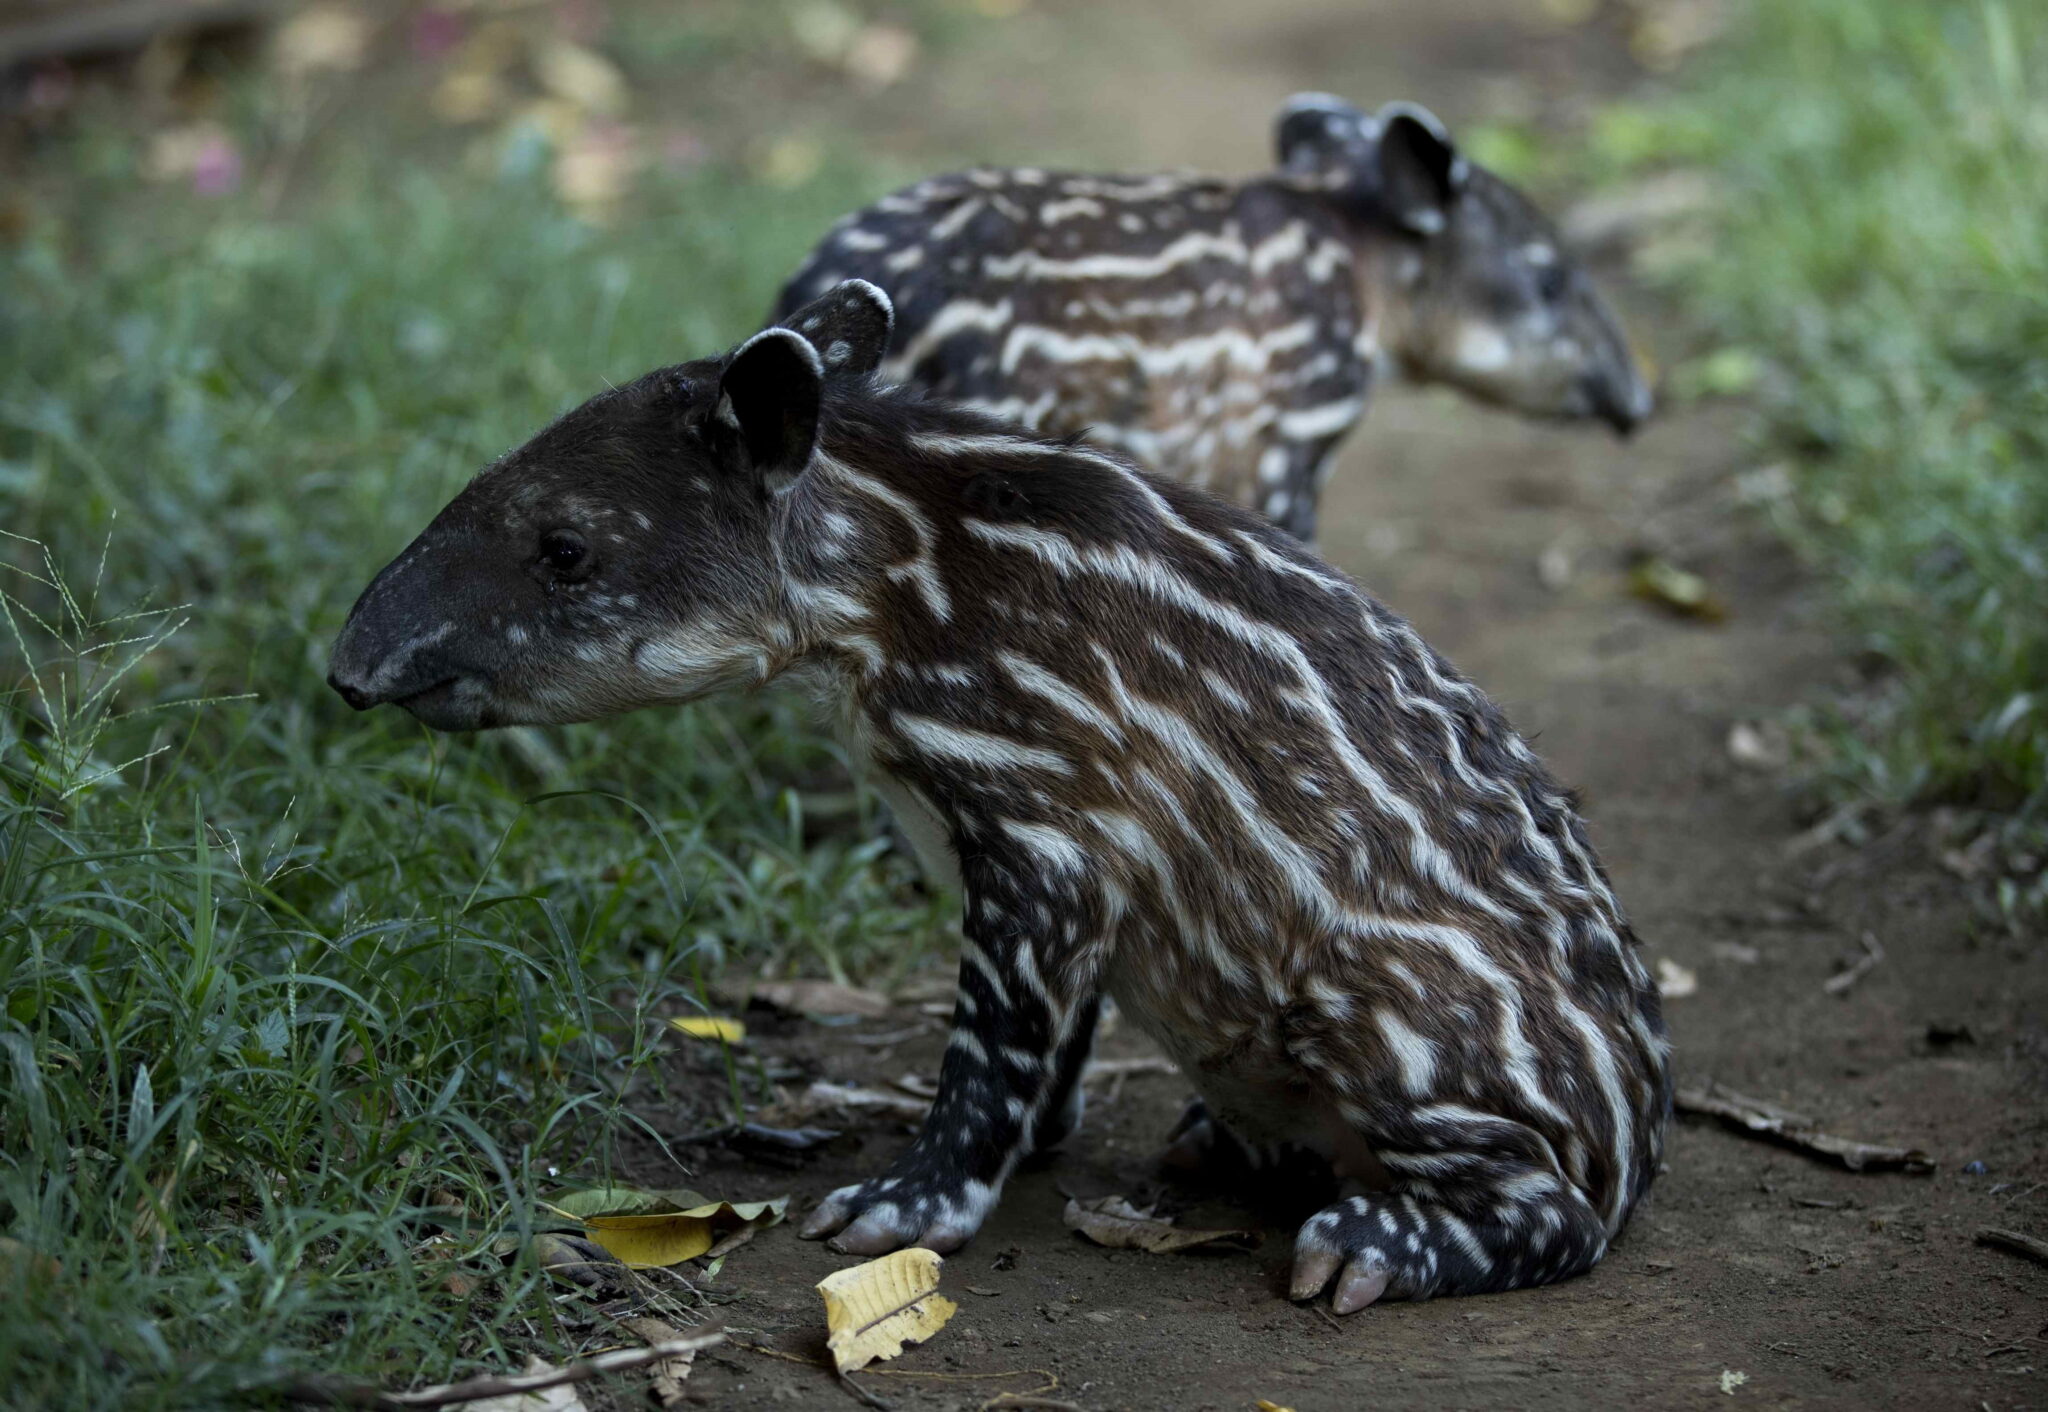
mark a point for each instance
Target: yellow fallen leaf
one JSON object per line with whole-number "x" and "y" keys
{"x": 644, "y": 1231}
{"x": 711, "y": 1027}
{"x": 1658, "y": 580}
{"x": 873, "y": 1310}
{"x": 1265, "y": 1406}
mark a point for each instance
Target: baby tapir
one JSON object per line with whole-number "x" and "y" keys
{"x": 1165, "y": 753}
{"x": 1225, "y": 332}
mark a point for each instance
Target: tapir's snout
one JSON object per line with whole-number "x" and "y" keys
{"x": 354, "y": 694}
{"x": 404, "y": 643}
{"x": 1621, "y": 398}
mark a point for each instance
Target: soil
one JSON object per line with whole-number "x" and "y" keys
{"x": 1753, "y": 1274}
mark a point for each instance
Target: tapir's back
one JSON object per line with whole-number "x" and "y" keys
{"x": 1212, "y": 329}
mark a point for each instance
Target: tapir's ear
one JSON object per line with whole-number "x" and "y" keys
{"x": 771, "y": 388}
{"x": 1421, "y": 172}
{"x": 1318, "y": 134}
{"x": 849, "y": 325}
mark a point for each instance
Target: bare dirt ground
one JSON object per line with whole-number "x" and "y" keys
{"x": 1753, "y": 1274}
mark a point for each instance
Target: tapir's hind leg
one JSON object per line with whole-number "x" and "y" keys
{"x": 1477, "y": 1206}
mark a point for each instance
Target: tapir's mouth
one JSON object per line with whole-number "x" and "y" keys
{"x": 445, "y": 706}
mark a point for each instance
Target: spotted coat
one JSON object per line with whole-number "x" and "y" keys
{"x": 1165, "y": 753}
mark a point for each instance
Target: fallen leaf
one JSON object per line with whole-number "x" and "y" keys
{"x": 821, "y": 998}
{"x": 1113, "y": 1222}
{"x": 559, "y": 1398}
{"x": 716, "y": 1027}
{"x": 651, "y": 1230}
{"x": 1675, "y": 982}
{"x": 670, "y": 1373}
{"x": 1264, "y": 1406}
{"x": 873, "y": 1310}
{"x": 623, "y": 1201}
{"x": 1731, "y": 1380}
{"x": 1657, "y": 580}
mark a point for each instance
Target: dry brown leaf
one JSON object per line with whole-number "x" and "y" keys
{"x": 1112, "y": 1221}
{"x": 873, "y": 1310}
{"x": 561, "y": 1397}
{"x": 821, "y": 998}
{"x": 670, "y": 1373}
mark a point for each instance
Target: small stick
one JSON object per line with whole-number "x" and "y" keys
{"x": 861, "y": 1394}
{"x": 1117, "y": 1068}
{"x": 2017, "y": 1242}
{"x": 1767, "y": 1120}
{"x": 325, "y": 1392}
{"x": 1858, "y": 969}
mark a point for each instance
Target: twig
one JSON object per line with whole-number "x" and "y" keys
{"x": 2016, "y": 1242}
{"x": 1858, "y": 969}
{"x": 861, "y": 1394}
{"x": 329, "y": 1392}
{"x": 1767, "y": 1120}
{"x": 1117, "y": 1068}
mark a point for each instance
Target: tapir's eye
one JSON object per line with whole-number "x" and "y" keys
{"x": 564, "y": 552}
{"x": 1551, "y": 282}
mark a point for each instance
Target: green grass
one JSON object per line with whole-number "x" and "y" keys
{"x": 1879, "y": 243}
{"x": 280, "y": 980}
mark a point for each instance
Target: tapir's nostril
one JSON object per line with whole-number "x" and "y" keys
{"x": 354, "y": 696}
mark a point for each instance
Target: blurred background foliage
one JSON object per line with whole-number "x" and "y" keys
{"x": 284, "y": 986}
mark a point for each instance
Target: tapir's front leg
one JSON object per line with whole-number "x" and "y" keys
{"x": 1021, "y": 1027}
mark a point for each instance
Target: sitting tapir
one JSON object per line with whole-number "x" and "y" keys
{"x": 1225, "y": 333}
{"x": 1164, "y": 752}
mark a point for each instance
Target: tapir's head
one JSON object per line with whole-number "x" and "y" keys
{"x": 1476, "y": 291}
{"x": 624, "y": 556}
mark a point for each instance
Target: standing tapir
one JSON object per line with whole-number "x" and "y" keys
{"x": 1225, "y": 333}
{"x": 1165, "y": 752}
